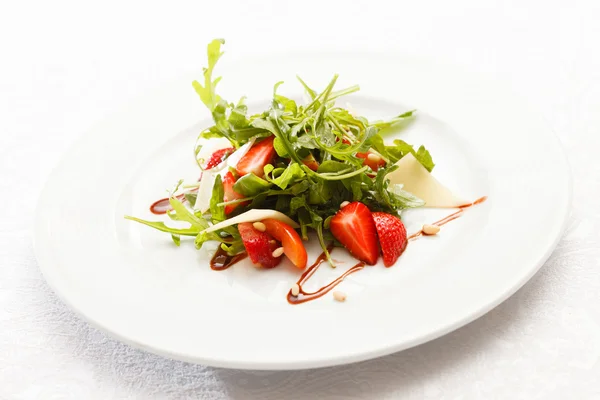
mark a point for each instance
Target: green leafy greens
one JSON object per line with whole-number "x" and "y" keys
{"x": 320, "y": 161}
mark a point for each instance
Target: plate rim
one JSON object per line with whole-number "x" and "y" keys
{"x": 44, "y": 262}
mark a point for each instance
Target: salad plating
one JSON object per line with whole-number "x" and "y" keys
{"x": 291, "y": 170}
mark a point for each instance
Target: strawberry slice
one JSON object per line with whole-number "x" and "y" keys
{"x": 218, "y": 156}
{"x": 310, "y": 162}
{"x": 230, "y": 194}
{"x": 293, "y": 247}
{"x": 353, "y": 226}
{"x": 259, "y": 246}
{"x": 372, "y": 160}
{"x": 392, "y": 236}
{"x": 259, "y": 155}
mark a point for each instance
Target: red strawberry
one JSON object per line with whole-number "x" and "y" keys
{"x": 218, "y": 156}
{"x": 353, "y": 226}
{"x": 259, "y": 246}
{"x": 230, "y": 194}
{"x": 310, "y": 162}
{"x": 392, "y": 236}
{"x": 372, "y": 160}
{"x": 259, "y": 155}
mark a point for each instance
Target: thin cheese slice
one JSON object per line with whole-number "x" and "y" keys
{"x": 417, "y": 180}
{"x": 253, "y": 216}
{"x": 205, "y": 191}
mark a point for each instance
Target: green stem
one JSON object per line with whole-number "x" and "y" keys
{"x": 341, "y": 177}
{"x": 344, "y": 92}
{"x": 338, "y": 173}
{"x": 336, "y": 123}
{"x": 269, "y": 193}
{"x": 323, "y": 246}
{"x": 324, "y": 94}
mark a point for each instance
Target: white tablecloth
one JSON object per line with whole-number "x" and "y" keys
{"x": 65, "y": 65}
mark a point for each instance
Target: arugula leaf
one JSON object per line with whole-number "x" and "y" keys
{"x": 396, "y": 198}
{"x": 244, "y": 135}
{"x": 288, "y": 105}
{"x": 251, "y": 185}
{"x": 283, "y": 204}
{"x": 319, "y": 192}
{"x": 399, "y": 149}
{"x": 423, "y": 156}
{"x": 280, "y": 148}
{"x": 400, "y": 118}
{"x": 207, "y": 92}
{"x": 357, "y": 192}
{"x": 259, "y": 200}
{"x": 291, "y": 174}
{"x": 192, "y": 231}
{"x": 344, "y": 117}
{"x": 181, "y": 213}
{"x": 297, "y": 203}
{"x": 344, "y": 92}
{"x": 217, "y": 213}
{"x": 332, "y": 167}
{"x": 407, "y": 199}
{"x": 310, "y": 92}
{"x": 234, "y": 248}
{"x": 237, "y": 117}
{"x": 307, "y": 142}
{"x": 201, "y": 238}
{"x": 300, "y": 187}
{"x": 191, "y": 197}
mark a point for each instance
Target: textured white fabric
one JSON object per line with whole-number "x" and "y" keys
{"x": 67, "y": 64}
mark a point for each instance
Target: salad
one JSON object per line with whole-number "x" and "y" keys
{"x": 297, "y": 171}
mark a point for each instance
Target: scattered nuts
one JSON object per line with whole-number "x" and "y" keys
{"x": 259, "y": 226}
{"x": 430, "y": 229}
{"x": 339, "y": 296}
{"x": 278, "y": 252}
{"x": 295, "y": 290}
{"x": 344, "y": 204}
{"x": 373, "y": 157}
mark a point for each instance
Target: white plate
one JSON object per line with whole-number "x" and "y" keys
{"x": 135, "y": 284}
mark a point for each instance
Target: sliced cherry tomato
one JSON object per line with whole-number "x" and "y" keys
{"x": 292, "y": 244}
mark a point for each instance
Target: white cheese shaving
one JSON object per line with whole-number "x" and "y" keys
{"x": 417, "y": 180}
{"x": 253, "y": 216}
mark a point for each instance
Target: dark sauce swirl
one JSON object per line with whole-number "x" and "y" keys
{"x": 221, "y": 261}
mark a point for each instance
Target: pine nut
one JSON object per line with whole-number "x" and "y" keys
{"x": 373, "y": 157}
{"x": 295, "y": 290}
{"x": 278, "y": 252}
{"x": 344, "y": 204}
{"x": 272, "y": 241}
{"x": 430, "y": 229}
{"x": 339, "y": 296}
{"x": 259, "y": 226}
